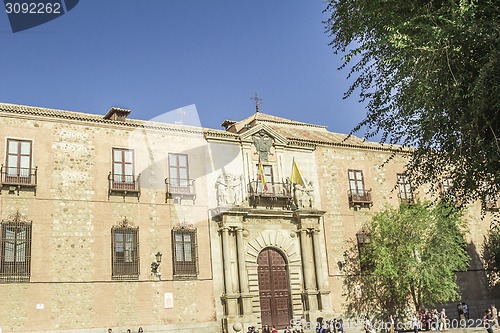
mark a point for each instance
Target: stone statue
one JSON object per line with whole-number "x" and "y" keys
{"x": 310, "y": 194}
{"x": 303, "y": 196}
{"x": 220, "y": 186}
{"x": 298, "y": 195}
{"x": 229, "y": 189}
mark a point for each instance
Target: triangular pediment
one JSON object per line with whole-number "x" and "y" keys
{"x": 247, "y": 136}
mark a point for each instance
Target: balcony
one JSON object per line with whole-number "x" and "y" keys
{"x": 405, "y": 197}
{"x": 179, "y": 189}
{"x": 18, "y": 179}
{"x": 277, "y": 195}
{"x": 358, "y": 199}
{"x": 124, "y": 185}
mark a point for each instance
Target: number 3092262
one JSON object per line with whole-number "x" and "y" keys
{"x": 33, "y": 8}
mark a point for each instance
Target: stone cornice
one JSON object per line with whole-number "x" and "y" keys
{"x": 41, "y": 114}
{"x": 47, "y": 114}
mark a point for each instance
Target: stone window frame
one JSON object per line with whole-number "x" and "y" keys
{"x": 16, "y": 238}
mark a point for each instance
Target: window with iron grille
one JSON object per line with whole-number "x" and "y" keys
{"x": 184, "y": 249}
{"x": 125, "y": 252}
{"x": 18, "y": 163}
{"x": 178, "y": 171}
{"x": 405, "y": 192}
{"x": 356, "y": 184}
{"x": 15, "y": 255}
{"x": 123, "y": 168}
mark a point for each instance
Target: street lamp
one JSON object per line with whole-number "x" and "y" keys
{"x": 155, "y": 265}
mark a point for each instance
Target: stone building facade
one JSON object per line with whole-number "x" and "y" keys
{"x": 89, "y": 203}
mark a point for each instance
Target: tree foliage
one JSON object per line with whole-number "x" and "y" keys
{"x": 491, "y": 254}
{"x": 429, "y": 72}
{"x": 410, "y": 261}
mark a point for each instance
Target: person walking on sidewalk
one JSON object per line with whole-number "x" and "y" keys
{"x": 488, "y": 321}
{"x": 442, "y": 320}
{"x": 494, "y": 316}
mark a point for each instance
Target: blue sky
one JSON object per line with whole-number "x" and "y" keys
{"x": 153, "y": 56}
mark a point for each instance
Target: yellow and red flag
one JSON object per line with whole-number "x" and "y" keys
{"x": 261, "y": 176}
{"x": 296, "y": 177}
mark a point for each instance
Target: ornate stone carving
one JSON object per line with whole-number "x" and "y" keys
{"x": 229, "y": 189}
{"x": 263, "y": 143}
{"x": 303, "y": 196}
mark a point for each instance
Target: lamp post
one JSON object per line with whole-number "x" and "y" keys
{"x": 155, "y": 265}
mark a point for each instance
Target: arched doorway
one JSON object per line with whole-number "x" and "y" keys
{"x": 274, "y": 290}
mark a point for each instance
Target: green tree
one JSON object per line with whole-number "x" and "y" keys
{"x": 409, "y": 262}
{"x": 491, "y": 254}
{"x": 429, "y": 72}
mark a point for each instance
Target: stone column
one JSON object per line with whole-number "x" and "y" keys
{"x": 242, "y": 272}
{"x": 230, "y": 295}
{"x": 322, "y": 283}
{"x": 308, "y": 268}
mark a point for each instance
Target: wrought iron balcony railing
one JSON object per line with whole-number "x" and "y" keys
{"x": 179, "y": 188}
{"x": 407, "y": 197}
{"x": 19, "y": 178}
{"x": 273, "y": 194}
{"x": 124, "y": 185}
{"x": 360, "y": 198}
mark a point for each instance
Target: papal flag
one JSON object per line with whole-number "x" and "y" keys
{"x": 261, "y": 177}
{"x": 297, "y": 177}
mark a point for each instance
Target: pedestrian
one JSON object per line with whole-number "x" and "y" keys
{"x": 415, "y": 322}
{"x": 110, "y": 330}
{"x": 266, "y": 329}
{"x": 368, "y": 325}
{"x": 274, "y": 330}
{"x": 129, "y": 331}
{"x": 140, "y": 330}
{"x": 494, "y": 315}
{"x": 391, "y": 324}
{"x": 428, "y": 320}
{"x": 341, "y": 326}
{"x": 488, "y": 321}
{"x": 442, "y": 319}
{"x": 435, "y": 317}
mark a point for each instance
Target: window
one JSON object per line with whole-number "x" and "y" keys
{"x": 356, "y": 183}
{"x": 178, "y": 173}
{"x": 447, "y": 184}
{"x": 179, "y": 186}
{"x": 363, "y": 237}
{"x": 15, "y": 255}
{"x": 184, "y": 251}
{"x": 405, "y": 193}
{"x": 268, "y": 178}
{"x": 123, "y": 169}
{"x": 125, "y": 250}
{"x": 18, "y": 163}
{"x": 357, "y": 194}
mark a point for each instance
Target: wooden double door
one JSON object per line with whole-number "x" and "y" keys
{"x": 274, "y": 291}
